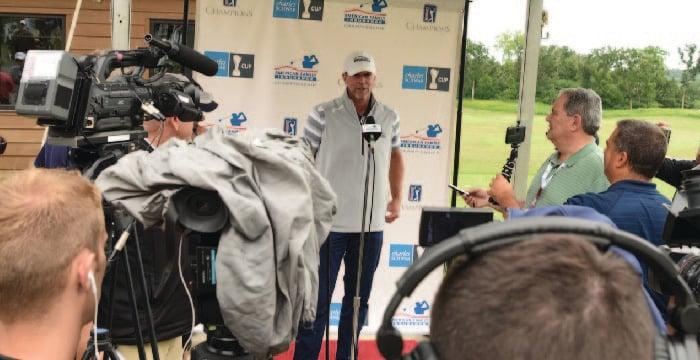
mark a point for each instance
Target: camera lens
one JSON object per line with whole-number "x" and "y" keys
{"x": 689, "y": 268}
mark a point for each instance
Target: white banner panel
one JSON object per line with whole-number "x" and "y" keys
{"x": 278, "y": 58}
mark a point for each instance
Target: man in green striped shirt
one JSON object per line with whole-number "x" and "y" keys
{"x": 576, "y": 167}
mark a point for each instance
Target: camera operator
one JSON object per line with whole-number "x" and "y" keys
{"x": 52, "y": 261}
{"x": 166, "y": 294}
{"x": 573, "y": 302}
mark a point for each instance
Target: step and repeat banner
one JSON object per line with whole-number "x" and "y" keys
{"x": 279, "y": 58}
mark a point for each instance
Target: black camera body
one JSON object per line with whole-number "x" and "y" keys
{"x": 94, "y": 100}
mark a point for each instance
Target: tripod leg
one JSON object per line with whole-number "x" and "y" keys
{"x": 134, "y": 308}
{"x": 149, "y": 313}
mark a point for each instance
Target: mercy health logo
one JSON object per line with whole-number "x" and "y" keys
{"x": 429, "y": 23}
{"x": 426, "y": 140}
{"x": 368, "y": 15}
{"x": 298, "y": 9}
{"x": 233, "y": 64}
{"x": 418, "y": 314}
{"x": 234, "y": 123}
{"x": 401, "y": 255}
{"x": 298, "y": 72}
{"x": 426, "y": 78}
{"x": 231, "y": 8}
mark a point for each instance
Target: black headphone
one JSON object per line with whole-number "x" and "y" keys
{"x": 685, "y": 316}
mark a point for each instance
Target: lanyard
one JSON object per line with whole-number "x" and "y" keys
{"x": 547, "y": 176}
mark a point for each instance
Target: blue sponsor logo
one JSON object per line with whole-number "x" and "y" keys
{"x": 233, "y": 64}
{"x": 290, "y": 126}
{"x": 369, "y": 15}
{"x": 414, "y": 77}
{"x": 425, "y": 140}
{"x": 335, "y": 313}
{"x": 417, "y": 314}
{"x": 299, "y": 71}
{"x": 426, "y": 78}
{"x": 415, "y": 192}
{"x": 401, "y": 255}
{"x": 234, "y": 122}
{"x": 221, "y": 59}
{"x": 429, "y": 13}
{"x": 298, "y": 9}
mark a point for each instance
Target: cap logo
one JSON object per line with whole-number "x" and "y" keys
{"x": 360, "y": 59}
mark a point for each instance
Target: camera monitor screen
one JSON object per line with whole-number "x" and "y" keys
{"x": 440, "y": 223}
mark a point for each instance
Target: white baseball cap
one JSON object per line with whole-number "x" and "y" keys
{"x": 20, "y": 55}
{"x": 360, "y": 61}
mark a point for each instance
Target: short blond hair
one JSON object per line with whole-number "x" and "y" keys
{"x": 46, "y": 218}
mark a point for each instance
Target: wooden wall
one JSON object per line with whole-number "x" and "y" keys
{"x": 92, "y": 32}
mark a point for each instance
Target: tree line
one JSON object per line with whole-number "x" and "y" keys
{"x": 624, "y": 77}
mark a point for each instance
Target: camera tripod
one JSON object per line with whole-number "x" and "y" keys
{"x": 220, "y": 345}
{"x": 104, "y": 346}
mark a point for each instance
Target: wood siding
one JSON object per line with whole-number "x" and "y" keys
{"x": 92, "y": 32}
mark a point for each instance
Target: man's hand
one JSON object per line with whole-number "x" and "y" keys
{"x": 477, "y": 198}
{"x": 502, "y": 191}
{"x": 393, "y": 210}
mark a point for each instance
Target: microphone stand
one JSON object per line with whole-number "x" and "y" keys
{"x": 356, "y": 299}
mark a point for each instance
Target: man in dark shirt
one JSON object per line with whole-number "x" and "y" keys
{"x": 670, "y": 171}
{"x": 633, "y": 154}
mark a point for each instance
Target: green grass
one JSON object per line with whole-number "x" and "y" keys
{"x": 483, "y": 151}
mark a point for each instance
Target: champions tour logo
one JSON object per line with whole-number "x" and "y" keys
{"x": 429, "y": 23}
{"x": 369, "y": 15}
{"x": 234, "y": 123}
{"x": 234, "y": 8}
{"x": 425, "y": 140}
{"x": 417, "y": 314}
{"x": 299, "y": 72}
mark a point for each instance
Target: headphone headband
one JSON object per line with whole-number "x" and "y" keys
{"x": 483, "y": 238}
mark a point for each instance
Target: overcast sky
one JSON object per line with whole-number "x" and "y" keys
{"x": 584, "y": 25}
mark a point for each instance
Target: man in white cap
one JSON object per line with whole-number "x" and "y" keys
{"x": 334, "y": 133}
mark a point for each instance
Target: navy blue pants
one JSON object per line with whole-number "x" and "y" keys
{"x": 344, "y": 247}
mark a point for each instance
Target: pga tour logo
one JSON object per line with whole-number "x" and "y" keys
{"x": 429, "y": 13}
{"x": 298, "y": 9}
{"x": 415, "y": 192}
{"x": 426, "y": 78}
{"x": 290, "y": 126}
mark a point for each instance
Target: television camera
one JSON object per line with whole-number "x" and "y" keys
{"x": 97, "y": 103}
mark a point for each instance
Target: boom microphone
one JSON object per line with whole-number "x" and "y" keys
{"x": 185, "y": 55}
{"x": 371, "y": 131}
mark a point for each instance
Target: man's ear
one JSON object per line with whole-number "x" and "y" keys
{"x": 577, "y": 123}
{"x": 174, "y": 122}
{"x": 84, "y": 263}
{"x": 622, "y": 159}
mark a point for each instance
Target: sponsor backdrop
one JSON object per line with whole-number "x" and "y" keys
{"x": 278, "y": 58}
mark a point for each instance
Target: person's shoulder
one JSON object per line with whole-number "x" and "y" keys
{"x": 590, "y": 199}
{"x": 329, "y": 105}
{"x": 387, "y": 110}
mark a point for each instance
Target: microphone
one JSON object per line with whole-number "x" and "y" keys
{"x": 371, "y": 131}
{"x": 185, "y": 56}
